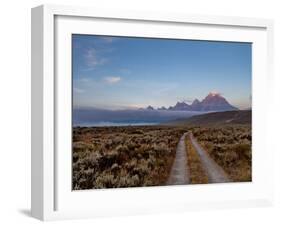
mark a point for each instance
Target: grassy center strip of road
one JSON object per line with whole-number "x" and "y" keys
{"x": 197, "y": 172}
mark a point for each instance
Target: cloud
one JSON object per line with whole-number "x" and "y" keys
{"x": 85, "y": 80}
{"x": 77, "y": 90}
{"x": 214, "y": 92}
{"x": 93, "y": 59}
{"x": 112, "y": 79}
{"x": 109, "y": 39}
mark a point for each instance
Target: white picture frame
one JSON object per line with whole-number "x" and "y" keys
{"x": 52, "y": 197}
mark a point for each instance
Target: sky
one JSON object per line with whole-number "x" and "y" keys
{"x": 127, "y": 72}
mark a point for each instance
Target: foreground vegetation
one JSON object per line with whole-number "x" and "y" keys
{"x": 112, "y": 157}
{"x": 230, "y": 147}
{"x": 133, "y": 156}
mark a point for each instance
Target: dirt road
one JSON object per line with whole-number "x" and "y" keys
{"x": 214, "y": 172}
{"x": 180, "y": 173}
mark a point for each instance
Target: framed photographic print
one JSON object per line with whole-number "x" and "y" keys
{"x": 137, "y": 112}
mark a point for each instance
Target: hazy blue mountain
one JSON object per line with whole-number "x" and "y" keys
{"x": 212, "y": 102}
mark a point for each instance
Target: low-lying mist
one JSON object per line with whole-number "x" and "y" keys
{"x": 103, "y": 117}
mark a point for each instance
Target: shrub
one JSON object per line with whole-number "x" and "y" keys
{"x": 123, "y": 156}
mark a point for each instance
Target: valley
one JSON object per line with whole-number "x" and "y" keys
{"x": 194, "y": 152}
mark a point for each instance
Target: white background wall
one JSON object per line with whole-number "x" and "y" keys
{"x": 15, "y": 111}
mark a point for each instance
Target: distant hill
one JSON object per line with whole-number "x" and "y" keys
{"x": 216, "y": 118}
{"x": 212, "y": 102}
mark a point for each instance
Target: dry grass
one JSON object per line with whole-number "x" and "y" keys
{"x": 112, "y": 157}
{"x": 230, "y": 147}
{"x": 197, "y": 173}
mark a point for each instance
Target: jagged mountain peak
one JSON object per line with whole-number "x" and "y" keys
{"x": 181, "y": 103}
{"x": 214, "y": 101}
{"x": 196, "y": 101}
{"x": 150, "y": 108}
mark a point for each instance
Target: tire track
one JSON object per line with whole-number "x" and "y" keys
{"x": 214, "y": 172}
{"x": 180, "y": 173}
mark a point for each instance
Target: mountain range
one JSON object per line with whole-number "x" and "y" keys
{"x": 212, "y": 102}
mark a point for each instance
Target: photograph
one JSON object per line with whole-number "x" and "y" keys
{"x": 152, "y": 111}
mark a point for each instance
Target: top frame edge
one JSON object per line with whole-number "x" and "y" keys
{"x": 63, "y": 10}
